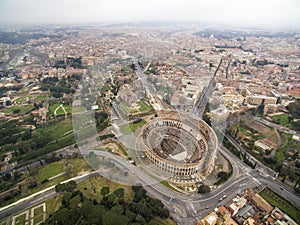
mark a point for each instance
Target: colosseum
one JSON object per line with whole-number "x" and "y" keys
{"x": 180, "y": 145}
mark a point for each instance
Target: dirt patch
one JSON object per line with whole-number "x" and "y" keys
{"x": 259, "y": 127}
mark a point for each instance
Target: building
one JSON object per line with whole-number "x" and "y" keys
{"x": 219, "y": 115}
{"x": 181, "y": 146}
{"x": 210, "y": 219}
{"x": 260, "y": 99}
{"x": 265, "y": 144}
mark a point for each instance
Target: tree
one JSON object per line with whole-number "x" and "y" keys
{"x": 110, "y": 200}
{"x": 16, "y": 111}
{"x": 222, "y": 175}
{"x": 294, "y": 109}
{"x": 203, "y": 189}
{"x": 156, "y": 205}
{"x": 140, "y": 219}
{"x": 164, "y": 213}
{"x": 118, "y": 209}
{"x": 105, "y": 191}
{"x": 119, "y": 192}
{"x": 75, "y": 201}
{"x": 68, "y": 187}
{"x": 66, "y": 200}
{"x": 113, "y": 218}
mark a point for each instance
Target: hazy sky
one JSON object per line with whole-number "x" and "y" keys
{"x": 270, "y": 13}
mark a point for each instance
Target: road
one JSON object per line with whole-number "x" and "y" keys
{"x": 185, "y": 208}
{"x": 201, "y": 103}
{"x": 149, "y": 87}
{"x": 276, "y": 126}
{"x": 35, "y": 198}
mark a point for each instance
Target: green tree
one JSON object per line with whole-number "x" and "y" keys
{"x": 164, "y": 213}
{"x": 119, "y": 192}
{"x": 203, "y": 189}
{"x": 105, "y": 191}
{"x": 113, "y": 218}
{"x": 140, "y": 219}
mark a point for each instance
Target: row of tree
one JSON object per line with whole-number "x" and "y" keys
{"x": 111, "y": 210}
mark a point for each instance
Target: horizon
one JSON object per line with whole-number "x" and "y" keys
{"x": 269, "y": 14}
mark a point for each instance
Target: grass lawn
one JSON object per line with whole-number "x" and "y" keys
{"x": 144, "y": 106}
{"x": 168, "y": 185}
{"x": 125, "y": 129}
{"x": 73, "y": 168}
{"x": 24, "y": 109}
{"x": 162, "y": 221}
{"x": 286, "y": 140}
{"x": 52, "y": 107}
{"x": 78, "y": 165}
{"x": 38, "y": 210}
{"x": 62, "y": 142}
{"x": 91, "y": 188}
{"x": 50, "y": 170}
{"x": 120, "y": 147}
{"x": 132, "y": 127}
{"x": 281, "y": 119}
{"x": 68, "y": 109}
{"x": 38, "y": 218}
{"x": 41, "y": 97}
{"x": 56, "y": 130}
{"x": 60, "y": 111}
{"x": 21, "y": 219}
{"x": 21, "y": 99}
{"x": 276, "y": 200}
{"x": 38, "y": 215}
{"x": 135, "y": 126}
{"x": 104, "y": 89}
{"x": 53, "y": 205}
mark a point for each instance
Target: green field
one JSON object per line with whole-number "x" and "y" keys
{"x": 61, "y": 143}
{"x": 144, "y": 107}
{"x": 168, "y": 185}
{"x": 68, "y": 109}
{"x": 56, "y": 130}
{"x": 24, "y": 109}
{"x": 41, "y": 97}
{"x": 38, "y": 215}
{"x": 131, "y": 127}
{"x": 72, "y": 167}
{"x": 53, "y": 204}
{"x": 91, "y": 188}
{"x": 50, "y": 170}
{"x": 21, "y": 100}
{"x": 281, "y": 119}
{"x": 280, "y": 154}
{"x": 60, "y": 112}
{"x": 135, "y": 126}
{"x": 120, "y": 147}
{"x": 276, "y": 200}
{"x": 52, "y": 108}
{"x": 161, "y": 221}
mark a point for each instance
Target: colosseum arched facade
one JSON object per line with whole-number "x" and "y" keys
{"x": 181, "y": 145}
